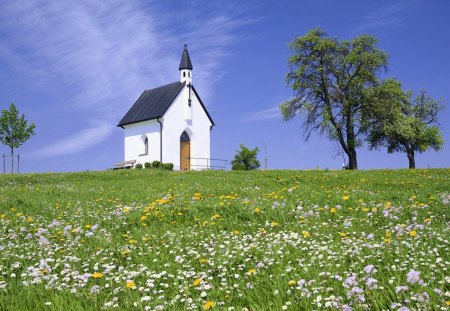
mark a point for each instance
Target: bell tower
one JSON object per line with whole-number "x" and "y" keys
{"x": 185, "y": 67}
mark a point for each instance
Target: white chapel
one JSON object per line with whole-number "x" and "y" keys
{"x": 169, "y": 124}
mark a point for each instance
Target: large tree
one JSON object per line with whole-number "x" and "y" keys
{"x": 330, "y": 79}
{"x": 14, "y": 130}
{"x": 402, "y": 122}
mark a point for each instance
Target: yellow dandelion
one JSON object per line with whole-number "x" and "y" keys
{"x": 365, "y": 209}
{"x": 197, "y": 282}
{"x": 274, "y": 224}
{"x": 345, "y": 197}
{"x": 387, "y": 240}
{"x": 215, "y": 216}
{"x": 203, "y": 260}
{"x": 427, "y": 219}
{"x": 333, "y": 210}
{"x": 209, "y": 305}
{"x": 130, "y": 284}
{"x": 306, "y": 234}
{"x": 88, "y": 226}
{"x": 292, "y": 282}
{"x": 97, "y": 275}
{"x": 251, "y": 272}
{"x": 131, "y": 241}
{"x": 143, "y": 218}
{"x": 257, "y": 210}
{"x": 343, "y": 234}
{"x": 236, "y": 232}
{"x": 126, "y": 210}
{"x": 413, "y": 233}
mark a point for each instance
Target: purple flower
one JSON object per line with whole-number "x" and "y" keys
{"x": 399, "y": 289}
{"x": 369, "y": 269}
{"x": 351, "y": 280}
{"x": 413, "y": 277}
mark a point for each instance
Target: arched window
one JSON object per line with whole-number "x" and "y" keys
{"x": 184, "y": 74}
{"x": 144, "y": 147}
{"x": 189, "y": 74}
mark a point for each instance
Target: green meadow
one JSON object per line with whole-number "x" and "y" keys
{"x": 219, "y": 240}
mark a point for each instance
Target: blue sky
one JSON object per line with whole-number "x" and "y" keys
{"x": 75, "y": 68}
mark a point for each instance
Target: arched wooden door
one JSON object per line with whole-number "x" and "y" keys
{"x": 185, "y": 152}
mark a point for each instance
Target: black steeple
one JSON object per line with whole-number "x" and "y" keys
{"x": 185, "y": 60}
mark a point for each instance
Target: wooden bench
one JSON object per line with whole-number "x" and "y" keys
{"x": 124, "y": 164}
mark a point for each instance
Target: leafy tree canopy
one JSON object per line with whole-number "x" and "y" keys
{"x": 14, "y": 130}
{"x": 330, "y": 79}
{"x": 402, "y": 122}
{"x": 245, "y": 159}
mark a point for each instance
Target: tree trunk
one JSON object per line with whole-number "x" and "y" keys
{"x": 410, "y": 155}
{"x": 352, "y": 161}
{"x": 12, "y": 160}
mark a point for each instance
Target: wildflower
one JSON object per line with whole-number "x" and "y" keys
{"x": 345, "y": 197}
{"x": 143, "y": 218}
{"x": 203, "y": 260}
{"x": 413, "y": 233}
{"x": 97, "y": 275}
{"x": 274, "y": 224}
{"x": 131, "y": 241}
{"x": 257, "y": 210}
{"x": 197, "y": 282}
{"x": 343, "y": 234}
{"x": 251, "y": 272}
{"x": 130, "y": 284}
{"x": 369, "y": 269}
{"x": 209, "y": 305}
{"x": 126, "y": 210}
{"x": 236, "y": 232}
{"x": 215, "y": 216}
{"x": 413, "y": 277}
{"x": 333, "y": 210}
{"x": 292, "y": 282}
{"x": 306, "y": 234}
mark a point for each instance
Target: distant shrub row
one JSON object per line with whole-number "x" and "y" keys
{"x": 155, "y": 165}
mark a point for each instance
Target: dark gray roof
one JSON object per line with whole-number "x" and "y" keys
{"x": 185, "y": 60}
{"x": 152, "y": 103}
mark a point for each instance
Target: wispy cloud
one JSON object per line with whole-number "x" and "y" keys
{"x": 390, "y": 19}
{"x": 266, "y": 114}
{"x": 102, "y": 54}
{"x": 77, "y": 142}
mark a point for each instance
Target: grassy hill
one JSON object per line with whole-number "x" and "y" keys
{"x": 265, "y": 240}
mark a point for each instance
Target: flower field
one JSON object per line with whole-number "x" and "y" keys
{"x": 263, "y": 240}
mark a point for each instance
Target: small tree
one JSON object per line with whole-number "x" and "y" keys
{"x": 245, "y": 159}
{"x": 403, "y": 123}
{"x": 14, "y": 130}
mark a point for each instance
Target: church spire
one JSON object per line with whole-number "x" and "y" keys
{"x": 185, "y": 60}
{"x": 185, "y": 67}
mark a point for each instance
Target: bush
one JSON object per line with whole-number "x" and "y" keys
{"x": 156, "y": 164}
{"x": 168, "y": 166}
{"x": 147, "y": 165}
{"x": 138, "y": 166}
{"x": 245, "y": 159}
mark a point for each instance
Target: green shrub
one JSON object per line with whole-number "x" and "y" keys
{"x": 168, "y": 166}
{"x": 156, "y": 164}
{"x": 147, "y": 165}
{"x": 138, "y": 166}
{"x": 245, "y": 159}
